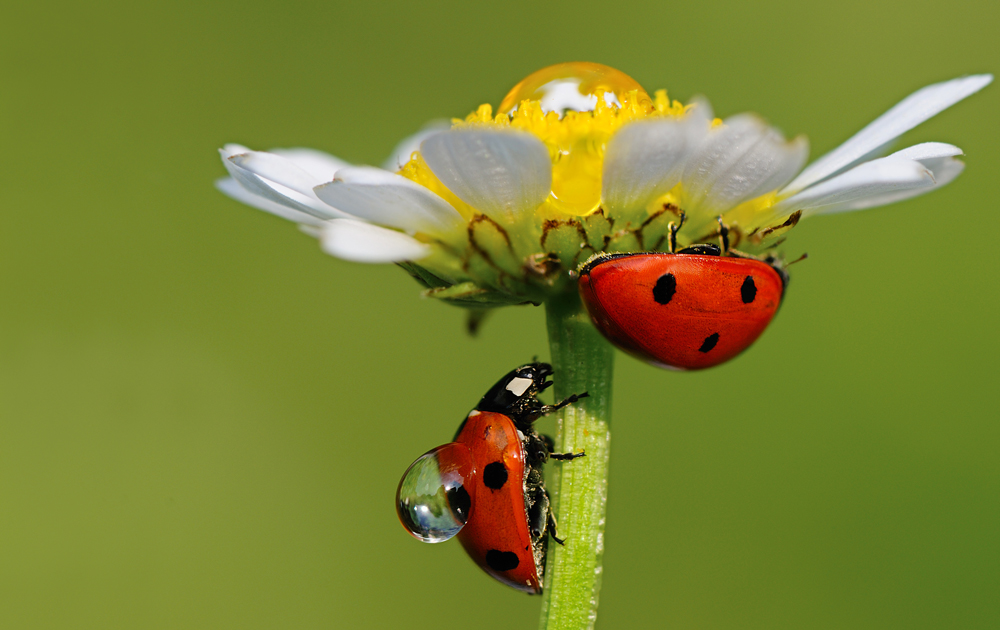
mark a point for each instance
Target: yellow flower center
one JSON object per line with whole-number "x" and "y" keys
{"x": 573, "y": 108}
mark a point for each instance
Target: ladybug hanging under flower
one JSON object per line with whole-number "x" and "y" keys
{"x": 487, "y": 487}
{"x": 688, "y": 309}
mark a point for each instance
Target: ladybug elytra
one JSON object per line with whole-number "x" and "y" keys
{"x": 487, "y": 487}
{"x": 688, "y": 310}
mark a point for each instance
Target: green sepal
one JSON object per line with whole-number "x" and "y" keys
{"x": 567, "y": 238}
{"x": 471, "y": 295}
{"x": 624, "y": 242}
{"x": 427, "y": 279}
{"x": 599, "y": 229}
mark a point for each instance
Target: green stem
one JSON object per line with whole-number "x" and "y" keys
{"x": 583, "y": 361}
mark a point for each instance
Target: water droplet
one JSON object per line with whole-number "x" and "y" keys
{"x": 574, "y": 86}
{"x": 434, "y": 497}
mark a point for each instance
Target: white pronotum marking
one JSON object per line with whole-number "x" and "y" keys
{"x": 518, "y": 386}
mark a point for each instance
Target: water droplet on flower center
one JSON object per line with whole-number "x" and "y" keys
{"x": 574, "y": 86}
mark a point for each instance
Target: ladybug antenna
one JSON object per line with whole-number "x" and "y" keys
{"x": 723, "y": 236}
{"x": 674, "y": 229}
{"x": 799, "y": 259}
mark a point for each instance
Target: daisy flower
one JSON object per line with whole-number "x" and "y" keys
{"x": 579, "y": 159}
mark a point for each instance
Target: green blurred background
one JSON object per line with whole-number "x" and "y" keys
{"x": 203, "y": 418}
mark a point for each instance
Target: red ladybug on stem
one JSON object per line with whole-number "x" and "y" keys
{"x": 685, "y": 310}
{"x": 487, "y": 487}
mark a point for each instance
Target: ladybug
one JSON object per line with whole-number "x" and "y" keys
{"x": 487, "y": 487}
{"x": 684, "y": 310}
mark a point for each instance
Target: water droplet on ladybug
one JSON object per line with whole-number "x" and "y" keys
{"x": 434, "y": 498}
{"x": 575, "y": 86}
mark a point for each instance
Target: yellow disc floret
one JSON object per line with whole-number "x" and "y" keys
{"x": 549, "y": 104}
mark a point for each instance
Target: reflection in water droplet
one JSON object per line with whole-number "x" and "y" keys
{"x": 433, "y": 499}
{"x": 574, "y": 86}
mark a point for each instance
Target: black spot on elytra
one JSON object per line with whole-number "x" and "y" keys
{"x": 502, "y": 560}
{"x": 749, "y": 290}
{"x": 665, "y": 288}
{"x": 495, "y": 475}
{"x": 459, "y": 502}
{"x": 709, "y": 342}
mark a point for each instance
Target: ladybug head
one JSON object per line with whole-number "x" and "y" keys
{"x": 515, "y": 394}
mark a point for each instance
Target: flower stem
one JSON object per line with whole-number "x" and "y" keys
{"x": 583, "y": 362}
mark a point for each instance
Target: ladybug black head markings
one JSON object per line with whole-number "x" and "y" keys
{"x": 487, "y": 487}
{"x": 702, "y": 249}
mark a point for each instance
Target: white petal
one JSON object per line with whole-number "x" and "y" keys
{"x": 945, "y": 170}
{"x": 388, "y": 199}
{"x": 741, "y": 160}
{"x": 358, "y": 241}
{"x": 873, "y": 183}
{"x": 943, "y": 173}
{"x": 314, "y": 231}
{"x": 274, "y": 168}
{"x": 928, "y": 150}
{"x": 700, "y": 106}
{"x": 499, "y": 172}
{"x": 319, "y": 164}
{"x": 404, "y": 150}
{"x": 231, "y": 187}
{"x": 231, "y": 149}
{"x": 937, "y": 157}
{"x": 910, "y": 112}
{"x": 276, "y": 193}
{"x": 645, "y": 159}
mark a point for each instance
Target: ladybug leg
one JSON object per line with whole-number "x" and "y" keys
{"x": 538, "y": 504}
{"x": 549, "y": 442}
{"x": 674, "y": 229}
{"x": 552, "y": 525}
{"x": 536, "y": 448}
{"x": 559, "y": 405}
{"x": 566, "y": 457}
{"x": 550, "y": 446}
{"x": 723, "y": 236}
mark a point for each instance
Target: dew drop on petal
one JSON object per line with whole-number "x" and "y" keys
{"x": 434, "y": 499}
{"x": 574, "y": 86}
